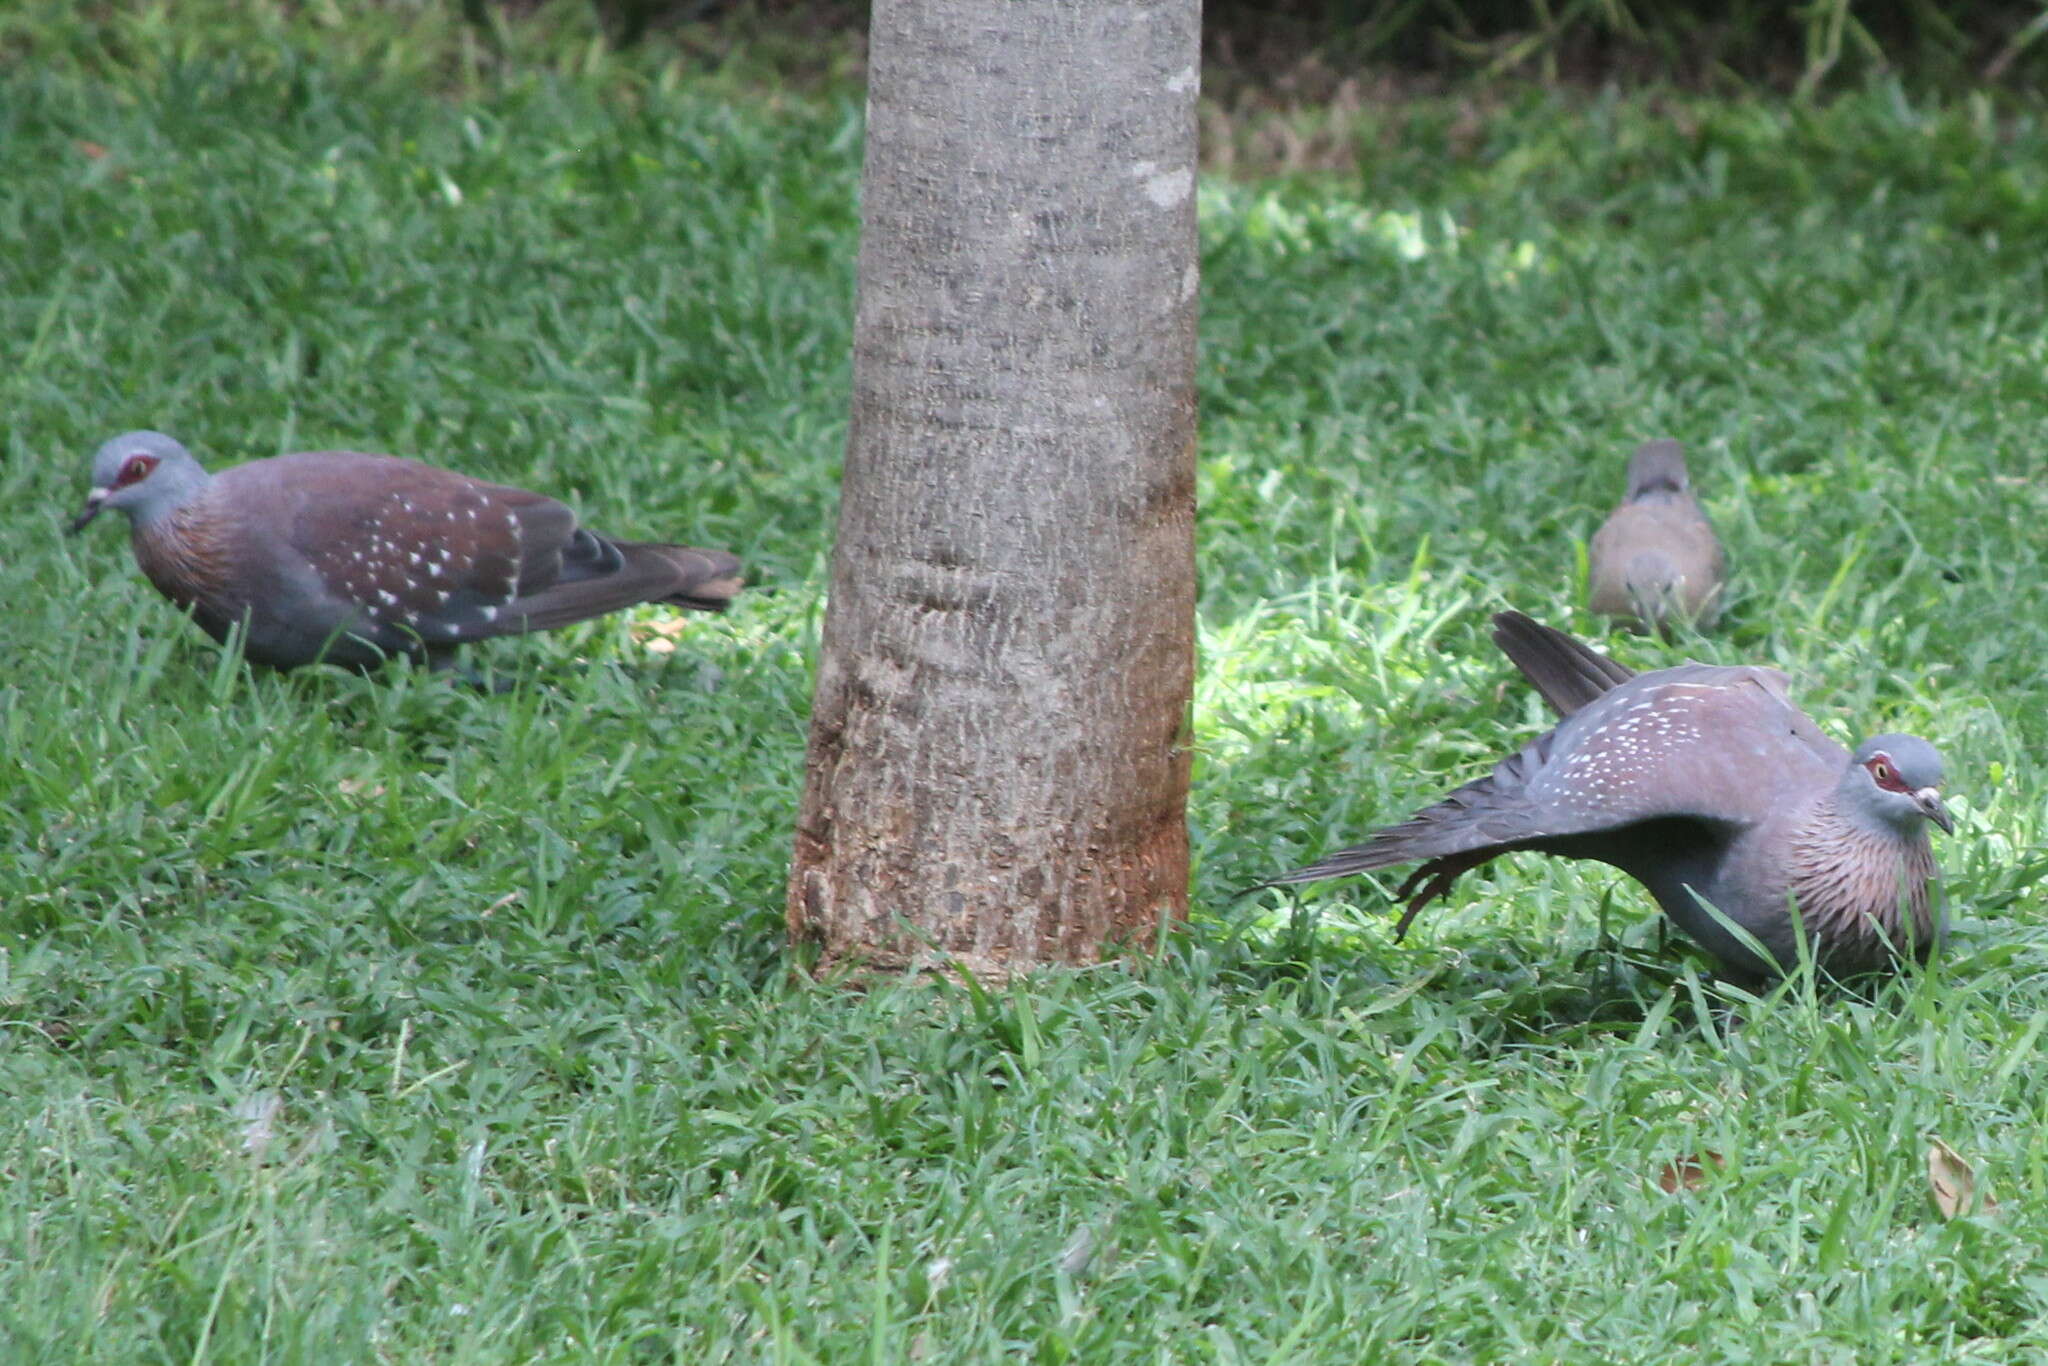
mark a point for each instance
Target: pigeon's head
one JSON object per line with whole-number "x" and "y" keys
{"x": 141, "y": 473}
{"x": 1897, "y": 778}
{"x": 1657, "y": 467}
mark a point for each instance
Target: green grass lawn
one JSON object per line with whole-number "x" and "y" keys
{"x": 379, "y": 1020}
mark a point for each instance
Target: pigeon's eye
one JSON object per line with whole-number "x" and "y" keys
{"x": 136, "y": 470}
{"x": 1884, "y": 775}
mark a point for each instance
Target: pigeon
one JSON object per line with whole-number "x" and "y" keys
{"x": 351, "y": 559}
{"x": 1706, "y": 784}
{"x": 1655, "y": 560}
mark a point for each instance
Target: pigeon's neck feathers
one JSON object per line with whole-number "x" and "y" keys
{"x": 1852, "y": 869}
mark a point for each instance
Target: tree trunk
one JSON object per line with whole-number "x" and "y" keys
{"x": 997, "y": 773}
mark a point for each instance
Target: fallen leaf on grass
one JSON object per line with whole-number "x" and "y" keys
{"x": 659, "y": 635}
{"x": 257, "y": 1115}
{"x": 662, "y": 626}
{"x": 1688, "y": 1173}
{"x": 1079, "y": 1251}
{"x": 1953, "y": 1184}
{"x": 93, "y": 151}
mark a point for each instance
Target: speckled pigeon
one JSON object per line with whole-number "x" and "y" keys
{"x": 348, "y": 558}
{"x": 1655, "y": 560}
{"x": 1707, "y": 785}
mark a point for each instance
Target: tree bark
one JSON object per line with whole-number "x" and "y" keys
{"x": 997, "y": 772}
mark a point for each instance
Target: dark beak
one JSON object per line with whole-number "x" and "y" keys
{"x": 91, "y": 510}
{"x": 1929, "y": 802}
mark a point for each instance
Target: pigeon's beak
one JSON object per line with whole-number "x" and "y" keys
{"x": 1930, "y": 804}
{"x": 93, "y": 503}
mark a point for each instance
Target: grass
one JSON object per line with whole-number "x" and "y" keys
{"x": 365, "y": 1020}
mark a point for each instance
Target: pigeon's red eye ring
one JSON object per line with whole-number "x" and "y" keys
{"x": 136, "y": 470}
{"x": 1884, "y": 775}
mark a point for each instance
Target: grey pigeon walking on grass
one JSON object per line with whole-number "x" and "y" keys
{"x": 1708, "y": 786}
{"x": 349, "y": 559}
{"x": 1655, "y": 561}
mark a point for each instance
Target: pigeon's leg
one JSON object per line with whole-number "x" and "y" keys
{"x": 1605, "y": 946}
{"x": 1434, "y": 878}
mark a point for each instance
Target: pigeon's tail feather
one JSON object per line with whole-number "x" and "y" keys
{"x": 1567, "y": 673}
{"x": 710, "y": 579}
{"x": 607, "y": 575}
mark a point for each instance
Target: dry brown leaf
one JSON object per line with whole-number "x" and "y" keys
{"x": 1953, "y": 1184}
{"x": 661, "y": 645}
{"x": 91, "y": 151}
{"x": 1688, "y": 1173}
{"x": 668, "y": 627}
{"x": 350, "y": 787}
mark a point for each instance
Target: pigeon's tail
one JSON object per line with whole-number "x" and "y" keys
{"x": 709, "y": 579}
{"x": 600, "y": 575}
{"x": 1568, "y": 674}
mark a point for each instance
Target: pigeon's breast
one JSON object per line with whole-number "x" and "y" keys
{"x": 184, "y": 555}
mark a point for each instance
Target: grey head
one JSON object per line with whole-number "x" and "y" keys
{"x": 1896, "y": 779}
{"x": 144, "y": 474}
{"x": 1657, "y": 467}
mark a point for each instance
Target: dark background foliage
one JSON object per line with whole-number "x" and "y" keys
{"x": 1694, "y": 42}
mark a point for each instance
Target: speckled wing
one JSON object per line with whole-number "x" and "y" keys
{"x": 1699, "y": 742}
{"x": 428, "y": 556}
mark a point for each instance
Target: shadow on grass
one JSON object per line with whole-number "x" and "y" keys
{"x": 1511, "y": 991}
